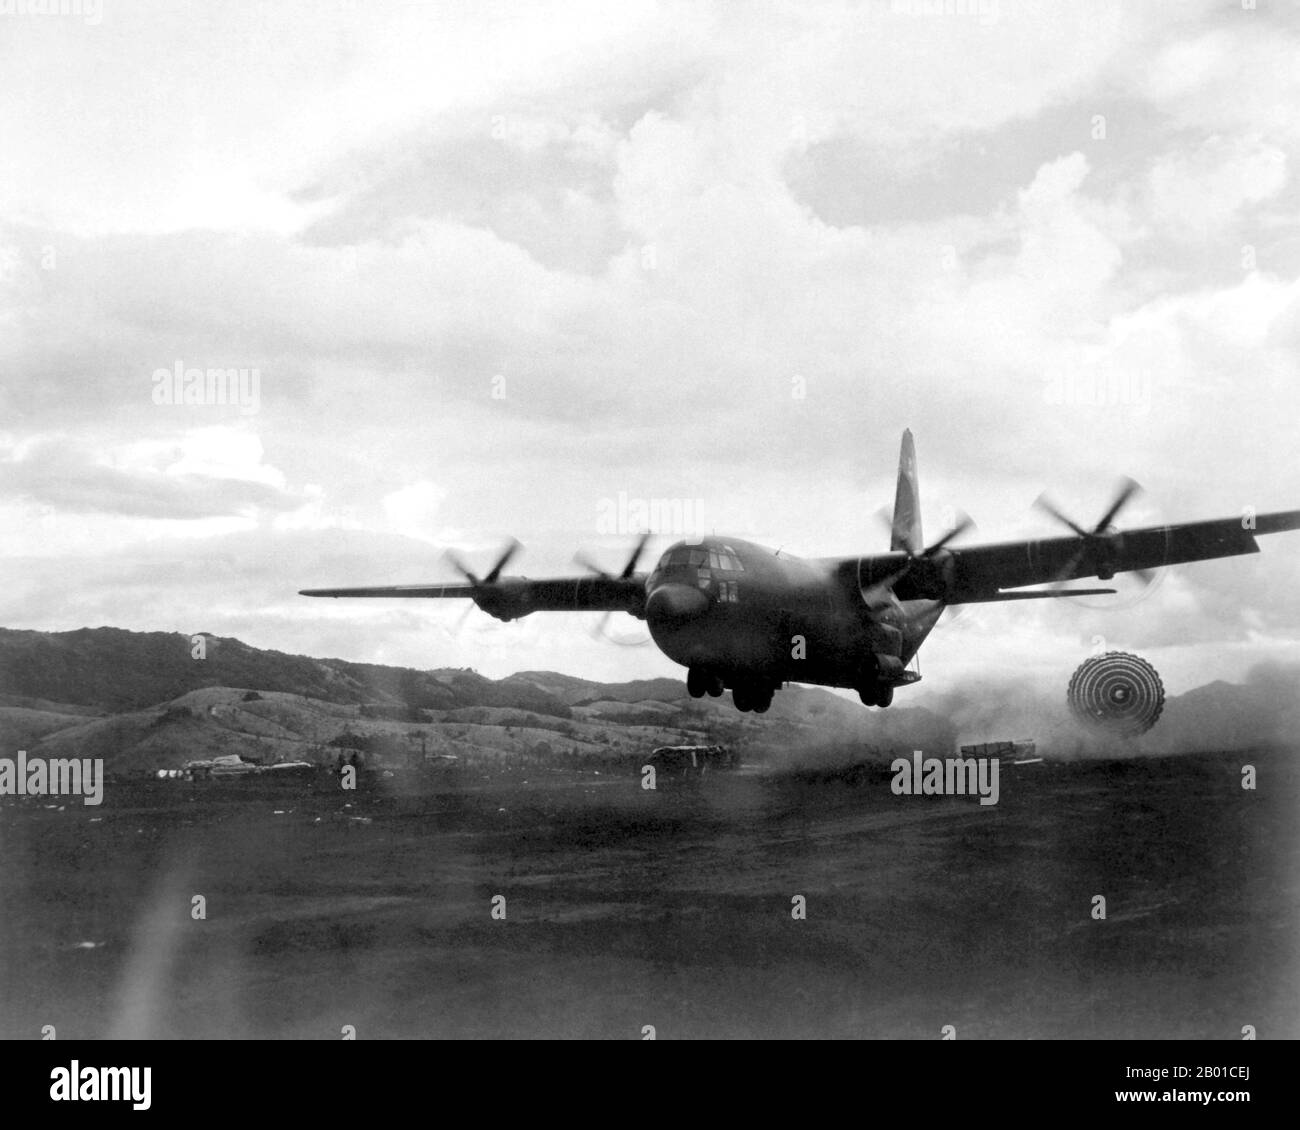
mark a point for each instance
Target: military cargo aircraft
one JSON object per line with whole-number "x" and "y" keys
{"x": 748, "y": 619}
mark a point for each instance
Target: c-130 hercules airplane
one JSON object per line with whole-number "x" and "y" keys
{"x": 748, "y": 619}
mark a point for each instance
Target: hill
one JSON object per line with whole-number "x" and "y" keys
{"x": 111, "y": 669}
{"x": 141, "y": 701}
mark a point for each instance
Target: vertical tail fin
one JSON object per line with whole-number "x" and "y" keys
{"x": 906, "y": 523}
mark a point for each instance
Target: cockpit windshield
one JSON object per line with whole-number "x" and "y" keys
{"x": 699, "y": 557}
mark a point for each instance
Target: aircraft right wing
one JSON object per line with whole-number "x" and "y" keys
{"x": 508, "y": 598}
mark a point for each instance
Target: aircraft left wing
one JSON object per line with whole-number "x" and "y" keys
{"x": 983, "y": 573}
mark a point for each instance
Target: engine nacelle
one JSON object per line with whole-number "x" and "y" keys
{"x": 505, "y": 600}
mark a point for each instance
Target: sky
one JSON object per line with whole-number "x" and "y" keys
{"x": 502, "y": 270}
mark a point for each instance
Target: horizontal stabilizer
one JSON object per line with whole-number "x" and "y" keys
{"x": 1049, "y": 595}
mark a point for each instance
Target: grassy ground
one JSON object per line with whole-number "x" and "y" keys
{"x": 672, "y": 908}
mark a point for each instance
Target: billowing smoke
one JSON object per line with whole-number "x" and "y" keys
{"x": 1264, "y": 711}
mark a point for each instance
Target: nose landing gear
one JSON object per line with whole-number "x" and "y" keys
{"x": 747, "y": 694}
{"x": 700, "y": 682}
{"x": 753, "y": 696}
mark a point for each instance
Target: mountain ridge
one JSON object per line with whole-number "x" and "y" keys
{"x": 143, "y": 701}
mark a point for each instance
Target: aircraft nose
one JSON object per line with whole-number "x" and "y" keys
{"x": 674, "y": 603}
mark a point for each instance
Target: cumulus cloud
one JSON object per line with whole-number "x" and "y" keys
{"x": 178, "y": 484}
{"x": 1206, "y": 188}
{"x": 682, "y": 251}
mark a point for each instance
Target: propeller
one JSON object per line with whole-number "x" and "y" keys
{"x": 512, "y": 547}
{"x": 914, "y": 556}
{"x": 628, "y": 569}
{"x": 1096, "y": 542}
{"x": 600, "y": 630}
{"x": 484, "y": 583}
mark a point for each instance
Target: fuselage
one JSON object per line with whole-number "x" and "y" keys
{"x": 753, "y": 615}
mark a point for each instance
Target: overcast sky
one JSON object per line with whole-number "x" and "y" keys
{"x": 498, "y": 265}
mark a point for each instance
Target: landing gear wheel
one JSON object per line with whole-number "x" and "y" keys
{"x": 753, "y": 696}
{"x": 697, "y": 682}
{"x": 715, "y": 687}
{"x": 876, "y": 694}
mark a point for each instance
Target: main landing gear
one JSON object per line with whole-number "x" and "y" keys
{"x": 876, "y": 694}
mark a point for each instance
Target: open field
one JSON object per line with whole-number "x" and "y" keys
{"x": 669, "y": 908}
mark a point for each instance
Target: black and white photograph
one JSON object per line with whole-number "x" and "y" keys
{"x": 650, "y": 521}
